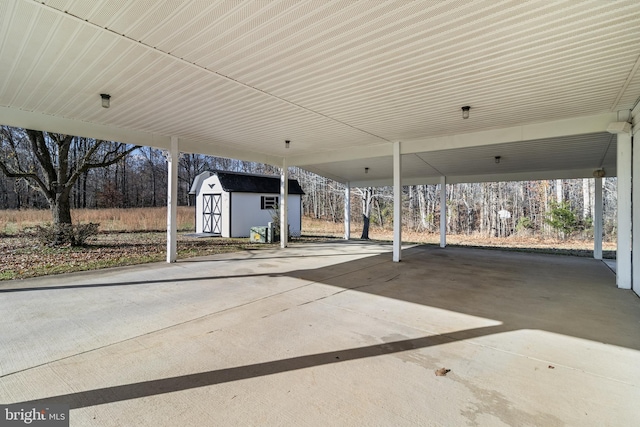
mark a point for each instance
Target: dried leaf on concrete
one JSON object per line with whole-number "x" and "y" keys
{"x": 442, "y": 372}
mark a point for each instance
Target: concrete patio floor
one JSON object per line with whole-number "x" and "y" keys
{"x": 329, "y": 334}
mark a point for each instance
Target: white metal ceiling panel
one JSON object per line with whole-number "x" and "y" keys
{"x": 580, "y": 153}
{"x": 330, "y": 75}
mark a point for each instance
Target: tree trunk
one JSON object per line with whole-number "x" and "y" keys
{"x": 367, "y": 199}
{"x": 493, "y": 212}
{"x": 422, "y": 205}
{"x": 380, "y": 218}
{"x": 559, "y": 191}
{"x": 365, "y": 228}
{"x": 61, "y": 209}
{"x": 84, "y": 190}
{"x": 586, "y": 198}
{"x": 61, "y": 213}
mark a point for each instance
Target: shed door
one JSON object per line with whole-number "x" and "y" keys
{"x": 212, "y": 213}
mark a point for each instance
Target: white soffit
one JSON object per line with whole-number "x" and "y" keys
{"x": 337, "y": 78}
{"x": 577, "y": 156}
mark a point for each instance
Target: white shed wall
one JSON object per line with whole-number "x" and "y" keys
{"x": 241, "y": 211}
{"x": 226, "y": 215}
{"x": 294, "y": 212}
{"x": 246, "y": 213}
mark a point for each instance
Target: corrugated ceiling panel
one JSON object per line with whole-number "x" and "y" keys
{"x": 350, "y": 43}
{"x": 306, "y": 25}
{"x": 249, "y": 27}
{"x": 59, "y": 4}
{"x": 198, "y": 32}
{"x": 363, "y": 105}
{"x": 329, "y": 54}
{"x": 453, "y": 81}
{"x": 183, "y": 24}
{"x": 101, "y": 77}
{"x": 14, "y": 50}
{"x": 73, "y": 7}
{"x": 9, "y": 47}
{"x": 61, "y": 65}
{"x": 578, "y": 152}
{"x": 631, "y": 95}
{"x": 143, "y": 17}
{"x": 325, "y": 74}
{"x": 224, "y": 31}
{"x": 573, "y": 153}
{"x": 510, "y": 71}
{"x": 106, "y": 12}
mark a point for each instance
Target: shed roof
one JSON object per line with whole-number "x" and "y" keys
{"x": 237, "y": 182}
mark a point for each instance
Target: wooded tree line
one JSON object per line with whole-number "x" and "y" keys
{"x": 139, "y": 179}
{"x": 492, "y": 209}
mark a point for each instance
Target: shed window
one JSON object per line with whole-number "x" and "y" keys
{"x": 269, "y": 202}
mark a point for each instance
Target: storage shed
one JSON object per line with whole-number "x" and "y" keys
{"x": 230, "y": 203}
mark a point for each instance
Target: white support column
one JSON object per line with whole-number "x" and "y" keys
{"x": 597, "y": 220}
{"x": 623, "y": 253}
{"x": 284, "y": 196}
{"x": 635, "y": 228}
{"x": 172, "y": 200}
{"x": 443, "y": 211}
{"x": 347, "y": 211}
{"x": 397, "y": 202}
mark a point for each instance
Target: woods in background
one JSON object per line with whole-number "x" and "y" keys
{"x": 550, "y": 208}
{"x": 556, "y": 208}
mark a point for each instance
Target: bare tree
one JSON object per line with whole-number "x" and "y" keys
{"x": 44, "y": 160}
{"x": 367, "y": 194}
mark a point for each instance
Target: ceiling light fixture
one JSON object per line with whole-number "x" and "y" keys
{"x": 498, "y": 159}
{"x": 287, "y": 143}
{"x": 106, "y": 100}
{"x": 465, "y": 112}
{"x": 366, "y": 170}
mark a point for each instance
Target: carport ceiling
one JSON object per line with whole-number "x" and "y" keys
{"x": 524, "y": 160}
{"x": 343, "y": 80}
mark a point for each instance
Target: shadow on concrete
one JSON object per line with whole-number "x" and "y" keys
{"x": 565, "y": 295}
{"x": 187, "y": 278}
{"x": 212, "y": 258}
{"x": 119, "y": 393}
{"x": 130, "y": 283}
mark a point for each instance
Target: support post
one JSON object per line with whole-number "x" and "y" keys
{"x": 597, "y": 220}
{"x": 347, "y": 211}
{"x": 443, "y": 211}
{"x": 397, "y": 202}
{"x": 284, "y": 196}
{"x": 623, "y": 253}
{"x": 635, "y": 228}
{"x": 172, "y": 200}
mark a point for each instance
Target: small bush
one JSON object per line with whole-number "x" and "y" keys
{"x": 524, "y": 225}
{"x": 562, "y": 219}
{"x": 82, "y": 232}
{"x": 65, "y": 234}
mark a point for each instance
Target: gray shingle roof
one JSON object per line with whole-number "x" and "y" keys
{"x": 246, "y": 183}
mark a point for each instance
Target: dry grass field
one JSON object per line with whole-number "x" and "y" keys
{"x": 13, "y": 222}
{"x": 135, "y": 236}
{"x": 325, "y": 228}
